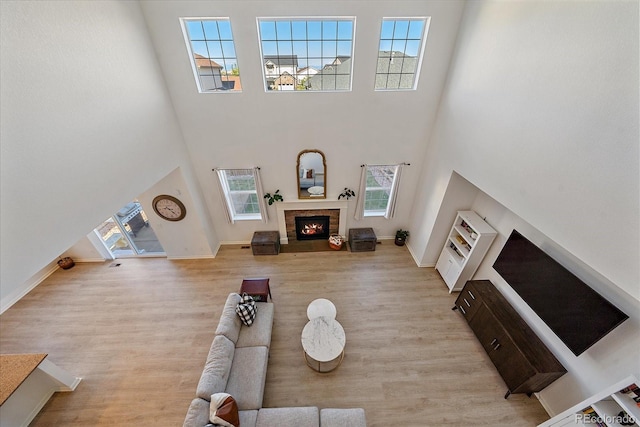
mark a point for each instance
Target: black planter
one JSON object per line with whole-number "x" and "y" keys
{"x": 400, "y": 241}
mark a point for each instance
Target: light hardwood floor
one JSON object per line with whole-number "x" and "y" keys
{"x": 139, "y": 334}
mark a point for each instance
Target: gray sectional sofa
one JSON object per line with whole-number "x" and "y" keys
{"x": 237, "y": 364}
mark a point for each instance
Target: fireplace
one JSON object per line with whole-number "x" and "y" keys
{"x": 312, "y": 227}
{"x": 288, "y": 211}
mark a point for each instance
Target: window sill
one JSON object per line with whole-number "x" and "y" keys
{"x": 248, "y": 218}
{"x": 374, "y": 214}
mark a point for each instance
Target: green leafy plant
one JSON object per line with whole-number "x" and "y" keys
{"x": 401, "y": 237}
{"x": 276, "y": 197}
{"x": 347, "y": 193}
{"x": 402, "y": 234}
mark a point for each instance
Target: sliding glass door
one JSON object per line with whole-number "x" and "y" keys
{"x": 128, "y": 233}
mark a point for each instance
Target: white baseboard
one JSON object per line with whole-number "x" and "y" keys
{"x": 191, "y": 257}
{"x": 7, "y": 301}
{"x": 413, "y": 255}
{"x": 415, "y": 259}
{"x": 545, "y": 405}
{"x": 74, "y": 384}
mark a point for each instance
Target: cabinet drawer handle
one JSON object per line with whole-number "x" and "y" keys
{"x": 467, "y": 302}
{"x": 472, "y": 297}
{"x": 462, "y": 310}
{"x": 494, "y": 341}
{"x": 497, "y": 346}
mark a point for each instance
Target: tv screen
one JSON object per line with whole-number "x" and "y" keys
{"x": 577, "y": 314}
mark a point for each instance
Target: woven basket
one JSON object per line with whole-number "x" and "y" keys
{"x": 66, "y": 263}
{"x": 336, "y": 241}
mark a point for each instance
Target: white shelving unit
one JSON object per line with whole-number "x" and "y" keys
{"x": 607, "y": 405}
{"x": 467, "y": 243}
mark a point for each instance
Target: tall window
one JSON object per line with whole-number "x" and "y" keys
{"x": 240, "y": 193}
{"x": 378, "y": 191}
{"x": 379, "y": 185}
{"x": 213, "y": 54}
{"x": 400, "y": 53}
{"x": 307, "y": 54}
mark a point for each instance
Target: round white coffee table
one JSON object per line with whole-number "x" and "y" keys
{"x": 323, "y": 341}
{"x": 321, "y": 307}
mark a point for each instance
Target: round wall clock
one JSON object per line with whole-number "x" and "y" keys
{"x": 169, "y": 208}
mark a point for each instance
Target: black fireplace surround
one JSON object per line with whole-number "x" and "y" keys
{"x": 312, "y": 227}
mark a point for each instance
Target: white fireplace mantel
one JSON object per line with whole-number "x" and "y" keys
{"x": 282, "y": 207}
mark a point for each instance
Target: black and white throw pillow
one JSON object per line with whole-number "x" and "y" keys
{"x": 246, "y": 309}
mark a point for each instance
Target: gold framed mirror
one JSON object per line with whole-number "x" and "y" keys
{"x": 311, "y": 172}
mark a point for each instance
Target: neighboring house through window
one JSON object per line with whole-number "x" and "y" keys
{"x": 304, "y": 74}
{"x": 315, "y": 52}
{"x": 213, "y": 55}
{"x": 208, "y": 73}
{"x": 334, "y": 76}
{"x": 285, "y": 82}
{"x": 278, "y": 66}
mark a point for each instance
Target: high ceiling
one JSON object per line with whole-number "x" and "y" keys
{"x": 268, "y": 129}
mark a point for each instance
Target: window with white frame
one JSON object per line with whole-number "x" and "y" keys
{"x": 240, "y": 192}
{"x": 213, "y": 54}
{"x": 400, "y": 53}
{"x": 379, "y": 187}
{"x": 316, "y": 52}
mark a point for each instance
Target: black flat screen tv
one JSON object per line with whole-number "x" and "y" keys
{"x": 577, "y": 314}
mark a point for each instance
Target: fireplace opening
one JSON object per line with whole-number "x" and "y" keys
{"x": 312, "y": 227}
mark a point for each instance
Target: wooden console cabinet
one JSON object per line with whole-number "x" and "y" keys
{"x": 523, "y": 361}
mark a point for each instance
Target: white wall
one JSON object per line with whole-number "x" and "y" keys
{"x": 88, "y": 249}
{"x": 458, "y": 195}
{"x": 98, "y": 129}
{"x": 188, "y": 238}
{"x": 254, "y": 128}
{"x": 182, "y": 239}
{"x": 541, "y": 113}
{"x": 83, "y": 133}
{"x": 612, "y": 358}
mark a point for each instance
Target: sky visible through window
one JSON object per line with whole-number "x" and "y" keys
{"x": 316, "y": 43}
{"x": 399, "y": 53}
{"x": 316, "y": 53}
{"x": 214, "y": 54}
{"x": 305, "y": 54}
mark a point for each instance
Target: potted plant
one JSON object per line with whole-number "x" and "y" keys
{"x": 401, "y": 237}
{"x": 347, "y": 193}
{"x": 276, "y": 197}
